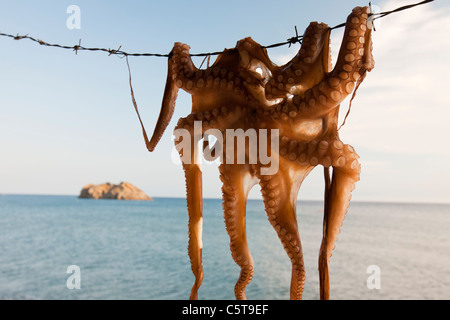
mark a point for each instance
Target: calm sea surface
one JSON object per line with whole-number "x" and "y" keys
{"x": 138, "y": 250}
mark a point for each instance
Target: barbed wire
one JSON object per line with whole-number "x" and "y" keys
{"x": 296, "y": 39}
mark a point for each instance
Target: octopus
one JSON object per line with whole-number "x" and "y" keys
{"x": 243, "y": 89}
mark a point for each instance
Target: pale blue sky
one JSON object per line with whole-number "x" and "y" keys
{"x": 67, "y": 120}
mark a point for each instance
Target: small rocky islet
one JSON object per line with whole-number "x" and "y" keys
{"x": 122, "y": 191}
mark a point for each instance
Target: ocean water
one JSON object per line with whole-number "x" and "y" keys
{"x": 138, "y": 250}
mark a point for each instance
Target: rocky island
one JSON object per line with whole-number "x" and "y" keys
{"x": 122, "y": 191}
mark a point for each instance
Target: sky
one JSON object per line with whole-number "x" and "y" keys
{"x": 67, "y": 120}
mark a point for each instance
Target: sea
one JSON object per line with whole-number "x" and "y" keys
{"x": 66, "y": 248}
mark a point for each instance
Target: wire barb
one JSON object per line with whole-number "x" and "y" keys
{"x": 295, "y": 39}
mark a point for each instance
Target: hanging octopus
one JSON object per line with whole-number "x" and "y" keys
{"x": 244, "y": 90}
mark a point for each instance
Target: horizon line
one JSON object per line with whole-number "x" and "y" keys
{"x": 254, "y": 199}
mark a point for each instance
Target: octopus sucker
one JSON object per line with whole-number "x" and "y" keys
{"x": 326, "y": 162}
{"x": 338, "y": 144}
{"x": 335, "y": 95}
{"x": 353, "y": 33}
{"x": 349, "y": 87}
{"x": 244, "y": 90}
{"x": 314, "y": 161}
{"x": 343, "y": 75}
{"x": 323, "y": 145}
{"x": 347, "y": 67}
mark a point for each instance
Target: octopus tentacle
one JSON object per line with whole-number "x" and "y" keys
{"x": 355, "y": 58}
{"x": 337, "y": 198}
{"x": 301, "y": 73}
{"x": 280, "y": 200}
{"x": 227, "y": 116}
{"x": 223, "y": 81}
{"x": 237, "y": 182}
{"x": 183, "y": 68}
{"x": 194, "y": 196}
{"x": 318, "y": 152}
{"x": 195, "y": 210}
{"x": 167, "y": 107}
